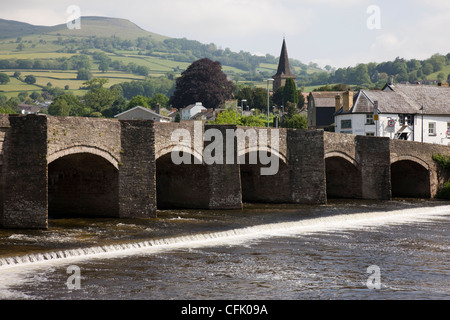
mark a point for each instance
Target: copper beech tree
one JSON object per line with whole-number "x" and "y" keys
{"x": 203, "y": 81}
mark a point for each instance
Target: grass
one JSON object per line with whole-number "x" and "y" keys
{"x": 40, "y": 43}
{"x": 445, "y": 70}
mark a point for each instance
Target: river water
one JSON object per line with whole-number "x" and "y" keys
{"x": 345, "y": 250}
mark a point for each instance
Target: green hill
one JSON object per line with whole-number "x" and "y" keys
{"x": 90, "y": 27}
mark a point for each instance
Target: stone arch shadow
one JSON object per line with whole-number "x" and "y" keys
{"x": 410, "y": 178}
{"x": 264, "y": 188}
{"x": 343, "y": 177}
{"x": 83, "y": 182}
{"x": 183, "y": 186}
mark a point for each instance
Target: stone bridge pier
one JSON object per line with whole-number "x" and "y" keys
{"x": 54, "y": 167}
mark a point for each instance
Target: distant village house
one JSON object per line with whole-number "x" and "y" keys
{"x": 141, "y": 113}
{"x": 412, "y": 112}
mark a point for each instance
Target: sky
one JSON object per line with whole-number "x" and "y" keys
{"x": 327, "y": 32}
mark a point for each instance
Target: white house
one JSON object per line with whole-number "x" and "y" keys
{"x": 141, "y": 113}
{"x": 407, "y": 112}
{"x": 190, "y": 111}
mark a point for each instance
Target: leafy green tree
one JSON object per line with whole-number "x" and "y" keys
{"x": 228, "y": 116}
{"x": 59, "y": 108}
{"x": 118, "y": 106}
{"x": 4, "y": 78}
{"x": 138, "y": 101}
{"x": 252, "y": 121}
{"x": 290, "y": 93}
{"x": 103, "y": 66}
{"x": 84, "y": 74}
{"x": 160, "y": 99}
{"x": 99, "y": 98}
{"x": 278, "y": 97}
{"x": 30, "y": 79}
{"x": 297, "y": 121}
{"x": 293, "y": 119}
{"x": 65, "y": 105}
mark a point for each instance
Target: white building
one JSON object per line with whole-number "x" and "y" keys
{"x": 141, "y": 113}
{"x": 407, "y": 112}
{"x": 190, "y": 111}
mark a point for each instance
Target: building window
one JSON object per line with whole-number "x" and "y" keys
{"x": 370, "y": 134}
{"x": 448, "y": 130}
{"x": 432, "y": 128}
{"x": 370, "y": 119}
{"x": 346, "y": 124}
{"x": 405, "y": 119}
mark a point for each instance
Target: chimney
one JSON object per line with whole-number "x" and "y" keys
{"x": 391, "y": 80}
{"x": 348, "y": 100}
{"x": 158, "y": 108}
{"x": 338, "y": 103}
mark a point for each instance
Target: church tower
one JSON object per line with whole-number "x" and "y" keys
{"x": 284, "y": 69}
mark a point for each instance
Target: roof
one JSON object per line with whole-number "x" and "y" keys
{"x": 198, "y": 104}
{"x": 325, "y": 99}
{"x": 284, "y": 68}
{"x": 29, "y": 108}
{"x": 388, "y": 102}
{"x": 404, "y": 99}
{"x": 143, "y": 109}
{"x": 434, "y": 99}
{"x": 210, "y": 114}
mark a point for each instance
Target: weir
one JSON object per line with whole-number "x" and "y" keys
{"x": 332, "y": 223}
{"x": 125, "y": 169}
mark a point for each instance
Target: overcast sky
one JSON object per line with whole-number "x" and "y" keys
{"x": 339, "y": 33}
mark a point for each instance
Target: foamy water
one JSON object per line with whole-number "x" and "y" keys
{"x": 15, "y": 270}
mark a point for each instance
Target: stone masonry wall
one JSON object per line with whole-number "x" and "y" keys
{"x": 307, "y": 166}
{"x": 67, "y": 135}
{"x": 25, "y": 173}
{"x": 137, "y": 170}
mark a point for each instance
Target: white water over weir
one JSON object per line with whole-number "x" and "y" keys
{"x": 235, "y": 236}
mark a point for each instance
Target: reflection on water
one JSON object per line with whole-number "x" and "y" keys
{"x": 263, "y": 252}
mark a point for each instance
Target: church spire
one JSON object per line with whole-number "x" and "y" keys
{"x": 284, "y": 70}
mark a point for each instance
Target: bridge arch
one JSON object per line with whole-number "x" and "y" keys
{"x": 257, "y": 187}
{"x": 263, "y": 148}
{"x": 83, "y": 182}
{"x": 181, "y": 186}
{"x": 84, "y": 149}
{"x": 167, "y": 150}
{"x": 410, "y": 177}
{"x": 343, "y": 178}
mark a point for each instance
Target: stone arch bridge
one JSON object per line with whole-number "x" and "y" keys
{"x": 66, "y": 166}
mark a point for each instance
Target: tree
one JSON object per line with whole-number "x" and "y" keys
{"x": 160, "y": 99}
{"x": 103, "y": 65}
{"x": 98, "y": 98}
{"x": 4, "y": 78}
{"x": 138, "y": 101}
{"x": 228, "y": 116}
{"x": 84, "y": 74}
{"x": 290, "y": 93}
{"x": 30, "y": 79}
{"x": 203, "y": 81}
{"x": 65, "y": 105}
{"x": 297, "y": 121}
{"x": 293, "y": 119}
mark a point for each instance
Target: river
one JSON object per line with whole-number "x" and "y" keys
{"x": 345, "y": 250}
